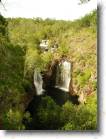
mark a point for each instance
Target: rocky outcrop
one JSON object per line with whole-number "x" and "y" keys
{"x": 49, "y": 76}
{"x": 71, "y": 90}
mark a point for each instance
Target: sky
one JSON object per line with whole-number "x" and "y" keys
{"x": 57, "y": 9}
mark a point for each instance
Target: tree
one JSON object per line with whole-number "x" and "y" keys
{"x": 48, "y": 114}
{"x": 83, "y": 1}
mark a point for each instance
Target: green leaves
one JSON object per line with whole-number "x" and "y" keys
{"x": 68, "y": 116}
{"x": 83, "y": 77}
{"x": 48, "y": 114}
{"x": 12, "y": 120}
{"x": 82, "y": 117}
{"x": 3, "y": 26}
{"x": 20, "y": 55}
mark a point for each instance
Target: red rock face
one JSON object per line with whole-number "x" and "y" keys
{"x": 71, "y": 90}
{"x": 49, "y": 75}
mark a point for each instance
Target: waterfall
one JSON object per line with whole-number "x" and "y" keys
{"x": 63, "y": 75}
{"x": 38, "y": 82}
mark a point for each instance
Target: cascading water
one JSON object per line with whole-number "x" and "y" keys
{"x": 38, "y": 82}
{"x": 63, "y": 75}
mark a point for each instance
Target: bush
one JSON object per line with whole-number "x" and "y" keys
{"x": 82, "y": 117}
{"x": 12, "y": 120}
{"x": 83, "y": 78}
{"x": 94, "y": 85}
{"x": 48, "y": 114}
{"x": 63, "y": 49}
{"x": 46, "y": 58}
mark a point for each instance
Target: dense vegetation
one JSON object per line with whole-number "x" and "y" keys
{"x": 20, "y": 55}
{"x": 67, "y": 117}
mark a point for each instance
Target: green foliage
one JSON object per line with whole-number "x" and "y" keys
{"x": 3, "y": 36}
{"x": 89, "y": 20}
{"x": 12, "y": 60}
{"x": 12, "y": 120}
{"x": 3, "y": 25}
{"x": 83, "y": 77}
{"x": 46, "y": 58}
{"x": 11, "y": 76}
{"x": 67, "y": 117}
{"x": 82, "y": 117}
{"x": 63, "y": 49}
{"x": 48, "y": 114}
{"x": 94, "y": 85}
{"x": 20, "y": 55}
{"x": 32, "y": 59}
{"x": 35, "y": 60}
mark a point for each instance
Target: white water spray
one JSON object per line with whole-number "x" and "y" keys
{"x": 38, "y": 82}
{"x": 63, "y": 75}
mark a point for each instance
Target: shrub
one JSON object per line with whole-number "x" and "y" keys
{"x": 82, "y": 117}
{"x": 46, "y": 58}
{"x": 63, "y": 49}
{"x": 48, "y": 114}
{"x": 83, "y": 78}
{"x": 13, "y": 120}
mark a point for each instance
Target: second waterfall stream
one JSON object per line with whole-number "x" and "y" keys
{"x": 38, "y": 82}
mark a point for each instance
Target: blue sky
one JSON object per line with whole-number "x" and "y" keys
{"x": 57, "y": 9}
